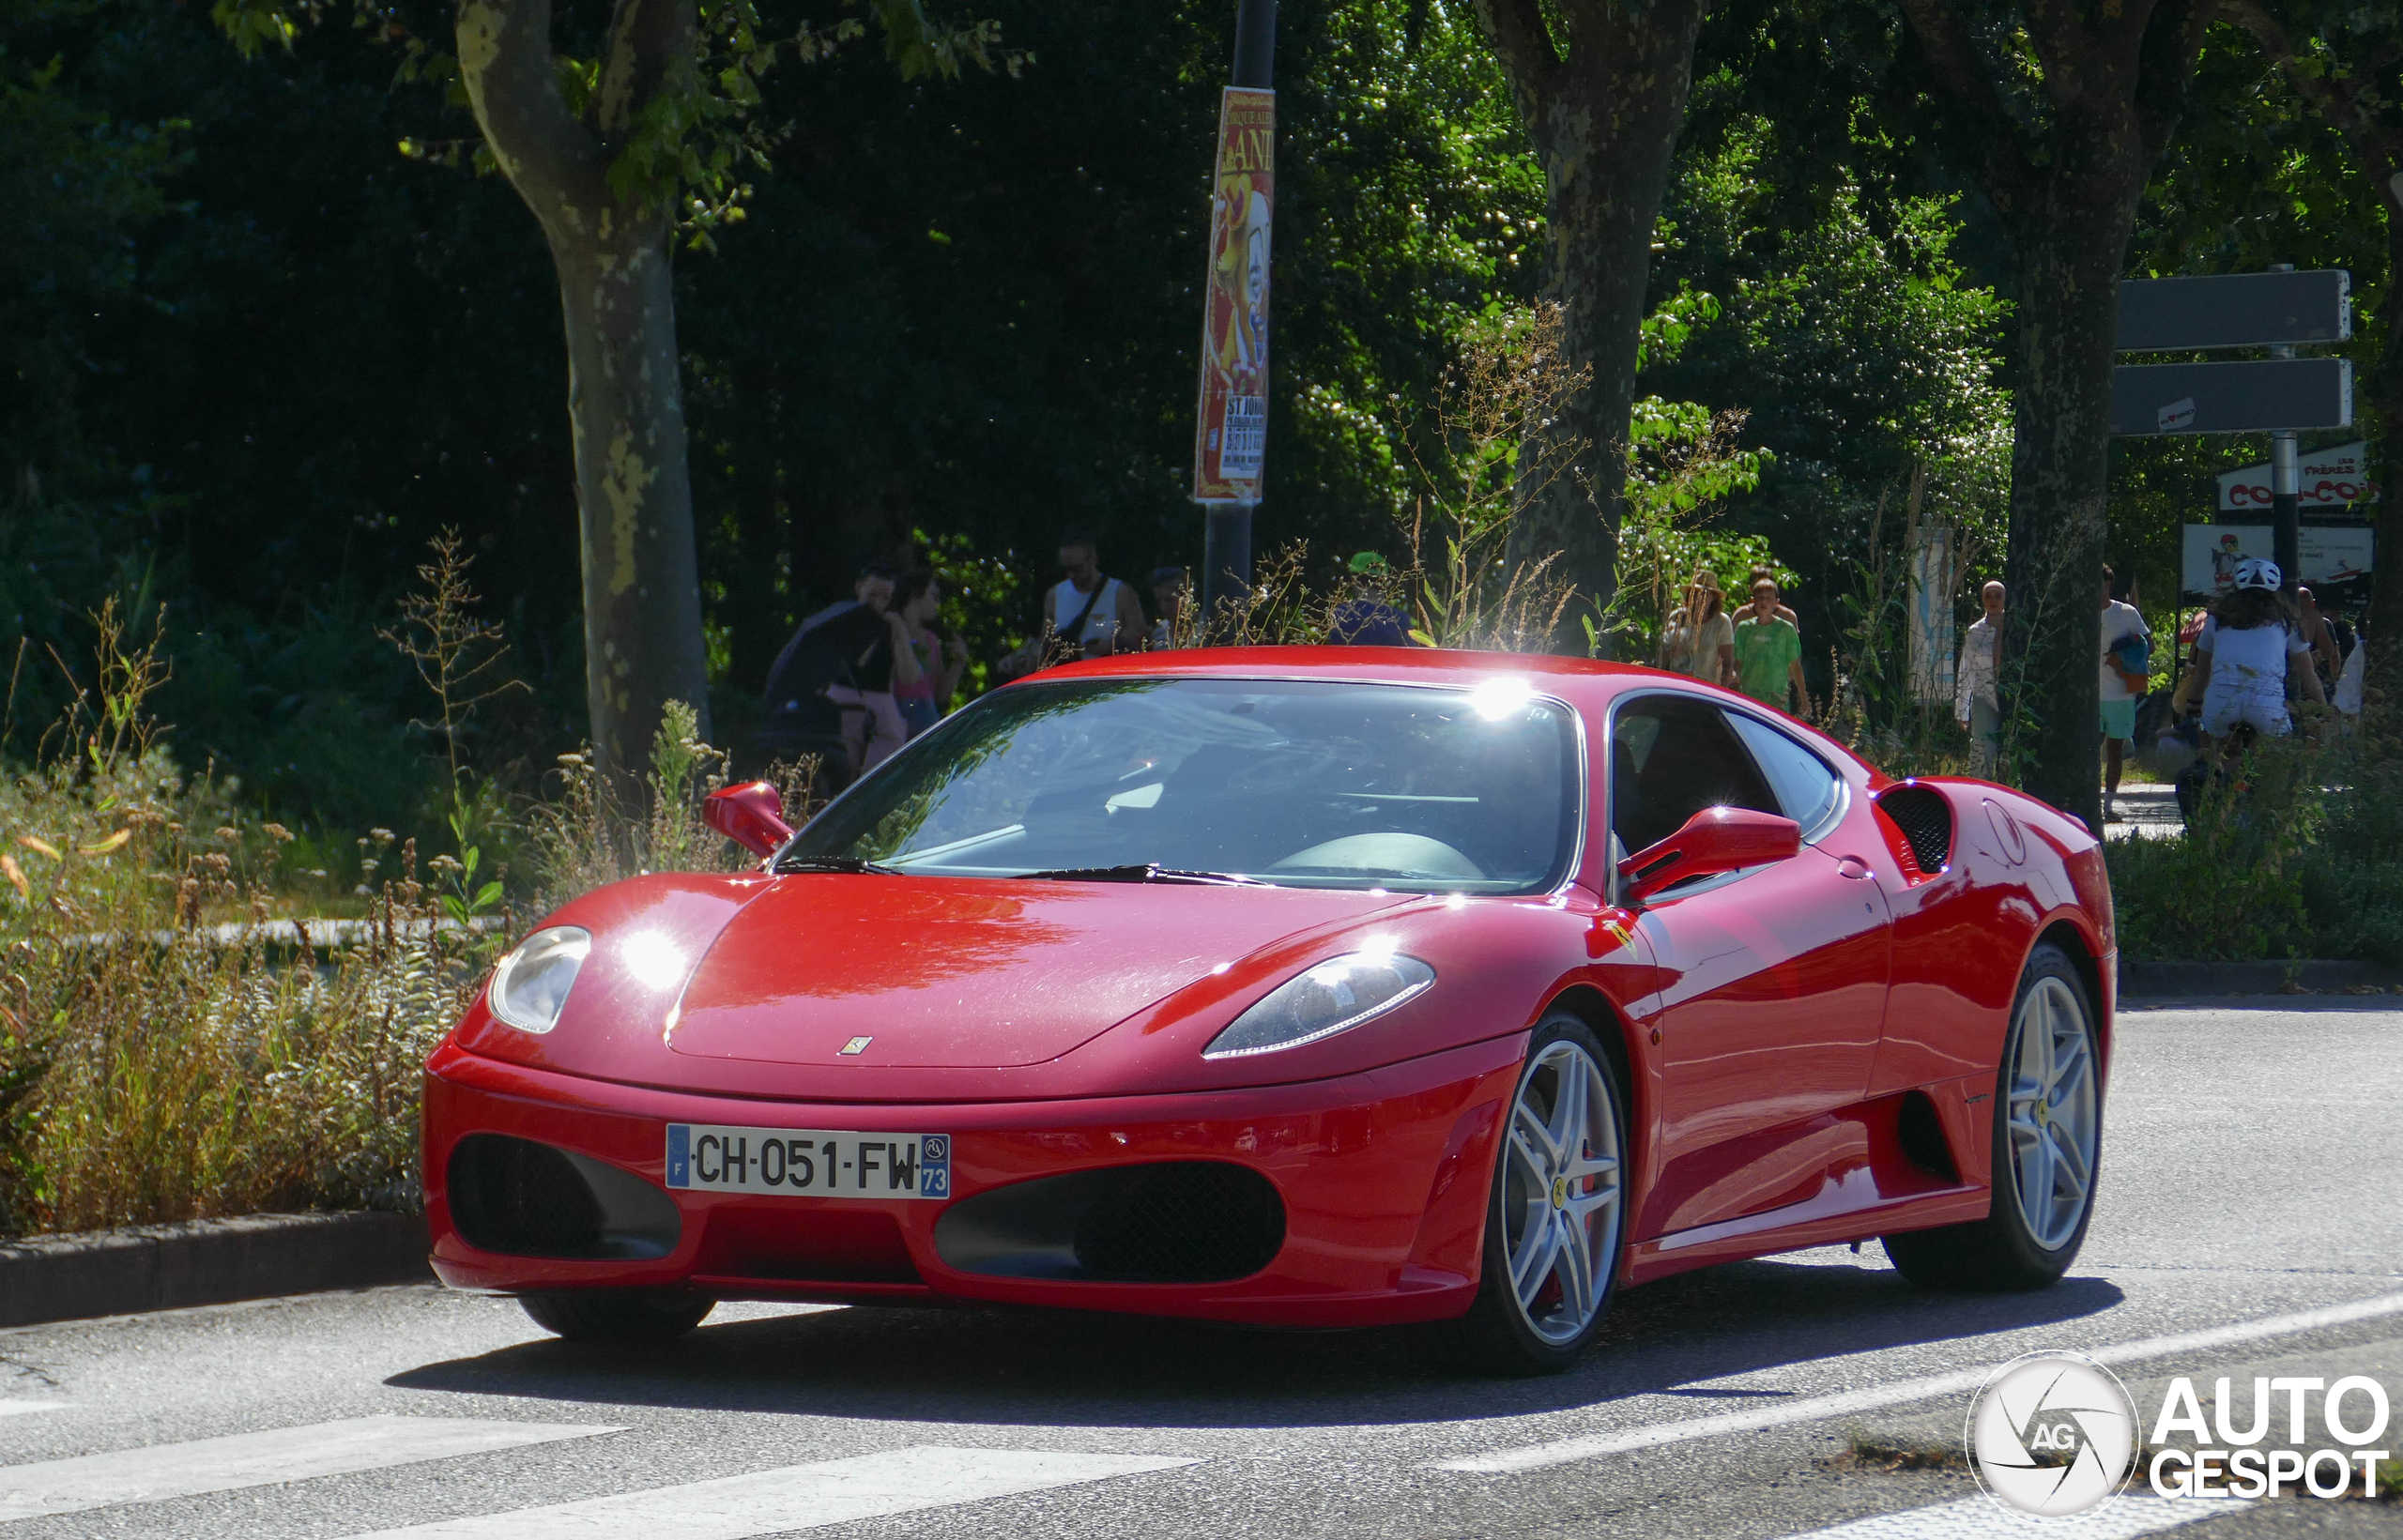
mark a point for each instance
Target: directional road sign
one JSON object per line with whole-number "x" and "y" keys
{"x": 2263, "y": 395}
{"x": 2237, "y": 310}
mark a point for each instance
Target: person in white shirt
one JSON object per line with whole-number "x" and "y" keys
{"x": 1976, "y": 701}
{"x": 1085, "y": 613}
{"x": 2122, "y": 688}
{"x": 2249, "y": 648}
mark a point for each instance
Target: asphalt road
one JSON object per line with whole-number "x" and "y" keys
{"x": 2253, "y": 1172}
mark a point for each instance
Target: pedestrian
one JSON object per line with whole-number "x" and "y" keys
{"x": 1085, "y": 611}
{"x": 926, "y": 666}
{"x": 2347, "y": 697}
{"x": 1699, "y": 638}
{"x": 1369, "y": 618}
{"x": 2250, "y": 647}
{"x": 1753, "y": 581}
{"x": 1172, "y": 590}
{"x": 2127, "y": 677}
{"x": 2325, "y": 654}
{"x": 1977, "y": 679}
{"x": 830, "y": 690}
{"x": 1768, "y": 653}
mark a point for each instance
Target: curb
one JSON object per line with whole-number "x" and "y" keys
{"x": 2157, "y": 981}
{"x": 206, "y": 1261}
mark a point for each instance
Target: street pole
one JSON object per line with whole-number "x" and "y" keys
{"x": 1226, "y": 554}
{"x": 2286, "y": 490}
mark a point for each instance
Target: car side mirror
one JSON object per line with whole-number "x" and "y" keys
{"x": 1714, "y": 840}
{"x": 751, "y": 815}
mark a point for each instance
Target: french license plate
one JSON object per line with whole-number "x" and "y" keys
{"x": 807, "y": 1162}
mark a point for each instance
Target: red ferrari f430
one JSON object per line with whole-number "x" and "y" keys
{"x": 1302, "y": 988}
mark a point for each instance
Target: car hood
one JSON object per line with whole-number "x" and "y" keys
{"x": 954, "y": 973}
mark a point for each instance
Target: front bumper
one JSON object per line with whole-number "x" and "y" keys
{"x": 1383, "y": 1176}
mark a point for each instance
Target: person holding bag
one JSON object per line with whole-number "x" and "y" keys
{"x": 1094, "y": 615}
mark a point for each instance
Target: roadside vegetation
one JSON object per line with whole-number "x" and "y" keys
{"x": 184, "y": 1030}
{"x": 2299, "y": 854}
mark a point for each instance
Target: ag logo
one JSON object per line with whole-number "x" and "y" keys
{"x": 2053, "y": 1435}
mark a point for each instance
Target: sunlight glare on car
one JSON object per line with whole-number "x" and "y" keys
{"x": 652, "y": 960}
{"x": 1497, "y": 699}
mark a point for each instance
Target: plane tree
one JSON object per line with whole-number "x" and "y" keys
{"x": 624, "y": 132}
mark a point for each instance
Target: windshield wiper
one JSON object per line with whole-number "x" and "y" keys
{"x": 835, "y": 863}
{"x": 1147, "y": 871}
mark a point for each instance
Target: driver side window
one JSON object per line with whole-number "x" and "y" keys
{"x": 1672, "y": 756}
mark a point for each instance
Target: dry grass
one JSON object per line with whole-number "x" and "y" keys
{"x": 156, "y": 1065}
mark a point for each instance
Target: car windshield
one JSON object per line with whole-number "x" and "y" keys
{"x": 1304, "y": 783}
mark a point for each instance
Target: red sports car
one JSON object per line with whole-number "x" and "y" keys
{"x": 1303, "y": 987}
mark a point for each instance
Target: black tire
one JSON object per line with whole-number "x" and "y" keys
{"x": 627, "y": 1320}
{"x": 1497, "y": 1338}
{"x": 2001, "y": 1253}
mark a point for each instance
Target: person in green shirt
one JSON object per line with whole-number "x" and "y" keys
{"x": 1769, "y": 654}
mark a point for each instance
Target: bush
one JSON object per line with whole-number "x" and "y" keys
{"x": 2301, "y": 857}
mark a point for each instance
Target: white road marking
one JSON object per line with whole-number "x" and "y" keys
{"x": 1982, "y": 1518}
{"x": 12, "y": 1408}
{"x": 161, "y": 1471}
{"x": 796, "y": 1497}
{"x": 1813, "y": 1409}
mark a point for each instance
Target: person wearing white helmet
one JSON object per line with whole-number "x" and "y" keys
{"x": 2250, "y": 647}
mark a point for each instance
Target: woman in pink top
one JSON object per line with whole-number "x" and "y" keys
{"x": 926, "y": 668}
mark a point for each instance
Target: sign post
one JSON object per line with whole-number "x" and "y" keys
{"x": 2280, "y": 395}
{"x": 1231, "y": 419}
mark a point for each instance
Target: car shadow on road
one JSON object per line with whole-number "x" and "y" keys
{"x": 1064, "y": 1368}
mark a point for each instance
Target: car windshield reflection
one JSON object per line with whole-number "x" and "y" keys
{"x": 1300, "y": 784}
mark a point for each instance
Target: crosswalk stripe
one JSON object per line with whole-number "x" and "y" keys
{"x": 796, "y": 1497}
{"x": 1982, "y": 1518}
{"x": 258, "y": 1459}
{"x": 1813, "y": 1409}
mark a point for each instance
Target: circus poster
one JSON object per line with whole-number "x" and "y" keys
{"x": 1231, "y": 435}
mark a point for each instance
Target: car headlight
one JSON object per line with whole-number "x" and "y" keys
{"x": 531, "y": 983}
{"x": 1326, "y": 999}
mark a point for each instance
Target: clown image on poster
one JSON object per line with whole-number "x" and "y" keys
{"x": 1231, "y": 433}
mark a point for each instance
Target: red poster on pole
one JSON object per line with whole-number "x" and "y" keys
{"x": 1230, "y": 431}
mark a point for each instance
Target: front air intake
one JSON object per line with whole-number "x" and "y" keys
{"x": 1925, "y": 820}
{"x": 521, "y": 1198}
{"x": 1172, "y": 1222}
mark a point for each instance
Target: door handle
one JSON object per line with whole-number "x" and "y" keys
{"x": 1853, "y": 866}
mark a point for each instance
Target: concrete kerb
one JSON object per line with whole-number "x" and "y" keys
{"x": 208, "y": 1262}
{"x": 2161, "y": 979}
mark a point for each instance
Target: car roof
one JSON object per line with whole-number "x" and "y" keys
{"x": 1425, "y": 665}
{"x": 1416, "y": 664}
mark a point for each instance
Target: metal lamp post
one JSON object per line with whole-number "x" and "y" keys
{"x": 1230, "y": 431}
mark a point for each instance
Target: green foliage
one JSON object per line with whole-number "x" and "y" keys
{"x": 2231, "y": 886}
{"x": 1862, "y": 356}
{"x": 156, "y": 1067}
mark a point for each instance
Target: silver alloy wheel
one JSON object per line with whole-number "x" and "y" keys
{"x": 1560, "y": 1193}
{"x": 2053, "y": 1122}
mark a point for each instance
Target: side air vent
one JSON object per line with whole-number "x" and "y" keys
{"x": 1925, "y": 820}
{"x": 521, "y": 1198}
{"x": 1173, "y": 1222}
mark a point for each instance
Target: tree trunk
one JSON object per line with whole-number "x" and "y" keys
{"x": 2069, "y": 308}
{"x": 1604, "y": 122}
{"x": 642, "y": 611}
{"x": 642, "y": 595}
{"x": 2382, "y": 670}
{"x": 2065, "y": 154}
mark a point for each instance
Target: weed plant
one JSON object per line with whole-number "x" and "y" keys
{"x": 167, "y": 1055}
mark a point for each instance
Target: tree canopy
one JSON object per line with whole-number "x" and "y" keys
{"x": 258, "y": 355}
